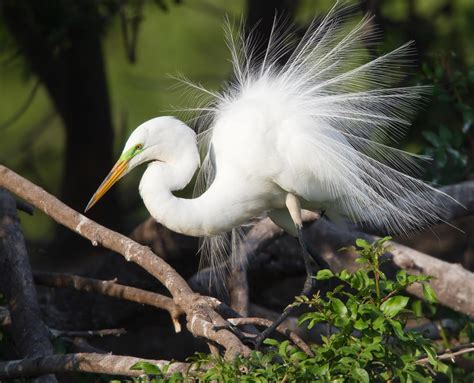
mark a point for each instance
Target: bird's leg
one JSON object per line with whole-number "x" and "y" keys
{"x": 294, "y": 208}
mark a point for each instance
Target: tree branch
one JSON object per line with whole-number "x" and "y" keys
{"x": 87, "y": 333}
{"x": 201, "y": 318}
{"x": 451, "y": 354}
{"x": 82, "y": 362}
{"x": 112, "y": 289}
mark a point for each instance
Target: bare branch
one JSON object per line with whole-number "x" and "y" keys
{"x": 87, "y": 333}
{"x": 112, "y": 289}
{"x": 82, "y": 362}
{"x": 451, "y": 354}
{"x": 201, "y": 318}
{"x": 238, "y": 288}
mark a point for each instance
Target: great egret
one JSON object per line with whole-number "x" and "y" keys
{"x": 312, "y": 134}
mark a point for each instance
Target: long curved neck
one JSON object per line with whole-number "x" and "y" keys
{"x": 205, "y": 215}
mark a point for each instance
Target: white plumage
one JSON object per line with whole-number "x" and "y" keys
{"x": 317, "y": 127}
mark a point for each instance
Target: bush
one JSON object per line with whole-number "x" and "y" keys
{"x": 366, "y": 340}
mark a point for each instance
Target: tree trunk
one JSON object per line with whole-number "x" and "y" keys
{"x": 61, "y": 42}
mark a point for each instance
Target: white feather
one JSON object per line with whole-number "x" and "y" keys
{"x": 327, "y": 118}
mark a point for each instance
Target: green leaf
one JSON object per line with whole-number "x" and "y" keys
{"x": 324, "y": 274}
{"x": 338, "y": 307}
{"x": 429, "y": 293}
{"x": 282, "y": 349}
{"x": 344, "y": 275}
{"x": 417, "y": 308}
{"x": 394, "y": 305}
{"x": 360, "y": 324}
{"x": 362, "y": 243}
{"x": 271, "y": 342}
{"x": 147, "y": 367}
{"x": 361, "y": 375}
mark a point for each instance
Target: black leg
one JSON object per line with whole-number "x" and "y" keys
{"x": 308, "y": 286}
{"x": 307, "y": 254}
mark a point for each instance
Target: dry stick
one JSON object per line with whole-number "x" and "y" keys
{"x": 112, "y": 289}
{"x": 201, "y": 318}
{"x": 87, "y": 333}
{"x": 238, "y": 288}
{"x": 281, "y": 329}
{"x": 28, "y": 331}
{"x": 451, "y": 354}
{"x": 82, "y": 362}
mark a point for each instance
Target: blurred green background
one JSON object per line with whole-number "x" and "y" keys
{"x": 186, "y": 37}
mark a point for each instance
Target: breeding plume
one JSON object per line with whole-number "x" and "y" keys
{"x": 307, "y": 124}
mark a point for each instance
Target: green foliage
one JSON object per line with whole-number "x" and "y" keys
{"x": 365, "y": 340}
{"x": 452, "y": 119}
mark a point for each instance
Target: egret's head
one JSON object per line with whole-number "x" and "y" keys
{"x": 158, "y": 139}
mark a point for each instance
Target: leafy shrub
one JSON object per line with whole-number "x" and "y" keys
{"x": 366, "y": 340}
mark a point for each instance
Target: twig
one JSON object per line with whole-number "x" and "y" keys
{"x": 112, "y": 289}
{"x": 23, "y": 206}
{"x": 28, "y": 331}
{"x": 201, "y": 318}
{"x": 451, "y": 354}
{"x": 88, "y": 333}
{"x": 281, "y": 329}
{"x": 83, "y": 362}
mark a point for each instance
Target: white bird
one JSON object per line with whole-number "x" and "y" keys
{"x": 313, "y": 134}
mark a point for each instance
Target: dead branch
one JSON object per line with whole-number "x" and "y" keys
{"x": 238, "y": 288}
{"x": 201, "y": 318}
{"x": 112, "y": 289}
{"x": 28, "y": 331}
{"x": 451, "y": 354}
{"x": 82, "y": 362}
{"x": 87, "y": 333}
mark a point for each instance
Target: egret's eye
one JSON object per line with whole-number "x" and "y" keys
{"x": 138, "y": 146}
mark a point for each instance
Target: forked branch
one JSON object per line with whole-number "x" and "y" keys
{"x": 201, "y": 318}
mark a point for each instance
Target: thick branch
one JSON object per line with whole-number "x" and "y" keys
{"x": 201, "y": 319}
{"x": 112, "y": 289}
{"x": 82, "y": 362}
{"x": 27, "y": 328}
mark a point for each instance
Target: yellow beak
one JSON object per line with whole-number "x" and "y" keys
{"x": 114, "y": 175}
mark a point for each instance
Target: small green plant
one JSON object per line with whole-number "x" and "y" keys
{"x": 365, "y": 340}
